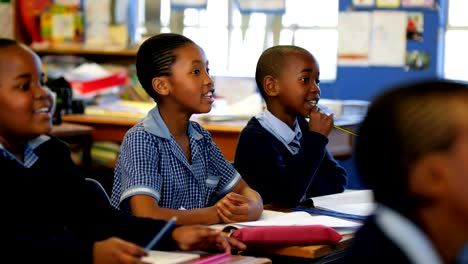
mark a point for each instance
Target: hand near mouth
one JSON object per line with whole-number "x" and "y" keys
{"x": 320, "y": 122}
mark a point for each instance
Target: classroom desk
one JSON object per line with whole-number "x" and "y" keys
{"x": 225, "y": 134}
{"x": 304, "y": 254}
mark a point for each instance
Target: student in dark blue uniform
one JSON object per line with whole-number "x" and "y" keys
{"x": 280, "y": 153}
{"x": 412, "y": 151}
{"x": 49, "y": 215}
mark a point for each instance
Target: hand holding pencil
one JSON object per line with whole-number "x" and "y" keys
{"x": 321, "y": 114}
{"x": 199, "y": 237}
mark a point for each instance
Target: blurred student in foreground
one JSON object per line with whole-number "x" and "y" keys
{"x": 280, "y": 153}
{"x": 49, "y": 214}
{"x": 412, "y": 151}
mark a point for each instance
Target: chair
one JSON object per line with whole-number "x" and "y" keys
{"x": 96, "y": 187}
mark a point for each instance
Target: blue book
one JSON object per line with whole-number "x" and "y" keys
{"x": 331, "y": 213}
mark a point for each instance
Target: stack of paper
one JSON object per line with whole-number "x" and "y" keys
{"x": 169, "y": 257}
{"x": 275, "y": 218}
{"x": 357, "y": 202}
{"x": 242, "y": 110}
{"x": 121, "y": 108}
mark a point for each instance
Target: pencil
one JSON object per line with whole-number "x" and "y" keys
{"x": 345, "y": 130}
{"x": 314, "y": 103}
{"x": 161, "y": 233}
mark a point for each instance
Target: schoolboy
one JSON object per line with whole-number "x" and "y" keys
{"x": 412, "y": 151}
{"x": 280, "y": 153}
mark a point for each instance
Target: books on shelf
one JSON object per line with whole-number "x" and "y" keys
{"x": 121, "y": 108}
{"x": 105, "y": 153}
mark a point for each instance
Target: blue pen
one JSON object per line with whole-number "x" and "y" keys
{"x": 161, "y": 233}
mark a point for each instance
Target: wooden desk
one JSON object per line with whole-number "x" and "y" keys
{"x": 313, "y": 253}
{"x": 225, "y": 134}
{"x": 303, "y": 254}
{"x": 79, "y": 135}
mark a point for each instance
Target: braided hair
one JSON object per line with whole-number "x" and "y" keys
{"x": 155, "y": 57}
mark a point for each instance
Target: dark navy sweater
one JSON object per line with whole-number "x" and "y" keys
{"x": 50, "y": 216}
{"x": 280, "y": 177}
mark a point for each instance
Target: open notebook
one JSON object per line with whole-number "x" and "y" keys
{"x": 274, "y": 218}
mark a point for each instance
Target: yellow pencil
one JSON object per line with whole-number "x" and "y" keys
{"x": 345, "y": 130}
{"x": 314, "y": 103}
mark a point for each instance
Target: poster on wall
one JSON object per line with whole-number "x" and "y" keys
{"x": 417, "y": 60}
{"x": 354, "y": 30}
{"x": 388, "y": 47}
{"x": 6, "y": 18}
{"x": 415, "y": 26}
{"x": 366, "y": 3}
{"x": 388, "y": 3}
{"x": 417, "y": 3}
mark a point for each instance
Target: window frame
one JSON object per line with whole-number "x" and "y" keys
{"x": 174, "y": 22}
{"x": 452, "y": 51}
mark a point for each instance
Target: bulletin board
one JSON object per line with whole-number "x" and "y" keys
{"x": 363, "y": 77}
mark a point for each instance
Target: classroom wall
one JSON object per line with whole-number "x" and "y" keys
{"x": 364, "y": 83}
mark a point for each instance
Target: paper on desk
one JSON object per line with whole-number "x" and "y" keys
{"x": 356, "y": 202}
{"x": 242, "y": 110}
{"x": 87, "y": 72}
{"x": 169, "y": 257}
{"x": 273, "y": 218}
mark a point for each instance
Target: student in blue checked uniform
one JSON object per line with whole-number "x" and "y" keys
{"x": 168, "y": 165}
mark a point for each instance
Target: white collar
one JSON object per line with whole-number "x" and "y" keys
{"x": 407, "y": 236}
{"x": 278, "y": 128}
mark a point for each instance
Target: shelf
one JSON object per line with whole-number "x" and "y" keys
{"x": 78, "y": 49}
{"x": 103, "y": 56}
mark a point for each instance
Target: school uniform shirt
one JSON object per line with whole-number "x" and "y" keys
{"x": 49, "y": 215}
{"x": 269, "y": 165}
{"x": 389, "y": 237}
{"x": 152, "y": 163}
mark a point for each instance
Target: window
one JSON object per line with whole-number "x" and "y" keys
{"x": 456, "y": 37}
{"x": 233, "y": 41}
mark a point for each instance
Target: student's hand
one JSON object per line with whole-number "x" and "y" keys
{"x": 234, "y": 208}
{"x": 198, "y": 237}
{"x": 320, "y": 122}
{"x": 116, "y": 250}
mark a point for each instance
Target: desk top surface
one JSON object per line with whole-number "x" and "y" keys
{"x": 70, "y": 129}
{"x": 225, "y": 125}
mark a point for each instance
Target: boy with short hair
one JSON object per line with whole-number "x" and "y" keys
{"x": 280, "y": 153}
{"x": 412, "y": 151}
